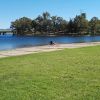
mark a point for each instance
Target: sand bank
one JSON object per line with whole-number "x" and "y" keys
{"x": 46, "y": 48}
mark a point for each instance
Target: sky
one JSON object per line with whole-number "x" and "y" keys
{"x": 11, "y": 10}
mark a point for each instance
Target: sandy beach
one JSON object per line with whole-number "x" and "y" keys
{"x": 46, "y": 48}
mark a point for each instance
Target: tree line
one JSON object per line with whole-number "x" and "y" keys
{"x": 46, "y": 24}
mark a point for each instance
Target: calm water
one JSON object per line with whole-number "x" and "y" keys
{"x": 11, "y": 42}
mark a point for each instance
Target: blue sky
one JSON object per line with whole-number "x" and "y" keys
{"x": 13, "y": 9}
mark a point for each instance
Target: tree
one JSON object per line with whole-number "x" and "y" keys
{"x": 93, "y": 25}
{"x": 46, "y": 24}
{"x": 58, "y": 24}
{"x": 81, "y": 24}
{"x": 62, "y": 24}
{"x": 22, "y": 26}
{"x": 71, "y": 26}
{"x": 98, "y": 28}
{"x": 54, "y": 23}
{"x": 46, "y": 15}
{"x": 42, "y": 23}
{"x": 35, "y": 26}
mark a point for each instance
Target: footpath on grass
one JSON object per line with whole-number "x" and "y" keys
{"x": 46, "y": 48}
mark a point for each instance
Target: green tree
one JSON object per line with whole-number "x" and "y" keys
{"x": 22, "y": 26}
{"x": 93, "y": 25}
{"x": 54, "y": 23}
{"x": 71, "y": 27}
{"x": 98, "y": 28}
{"x": 81, "y": 24}
{"x": 58, "y": 24}
{"x": 46, "y": 22}
{"x": 46, "y": 15}
{"x": 42, "y": 23}
{"x": 62, "y": 25}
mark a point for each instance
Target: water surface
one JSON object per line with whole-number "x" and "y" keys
{"x": 11, "y": 42}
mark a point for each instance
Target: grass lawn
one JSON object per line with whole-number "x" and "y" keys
{"x": 70, "y": 74}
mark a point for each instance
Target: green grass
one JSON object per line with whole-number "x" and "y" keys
{"x": 70, "y": 74}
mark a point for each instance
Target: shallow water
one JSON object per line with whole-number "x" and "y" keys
{"x": 11, "y": 42}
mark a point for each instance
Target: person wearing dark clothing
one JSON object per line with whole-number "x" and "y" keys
{"x": 52, "y": 43}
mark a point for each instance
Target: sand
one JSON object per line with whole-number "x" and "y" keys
{"x": 46, "y": 48}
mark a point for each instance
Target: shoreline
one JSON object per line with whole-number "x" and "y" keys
{"x": 45, "y": 48}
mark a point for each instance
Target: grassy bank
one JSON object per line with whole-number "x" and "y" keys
{"x": 71, "y": 74}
